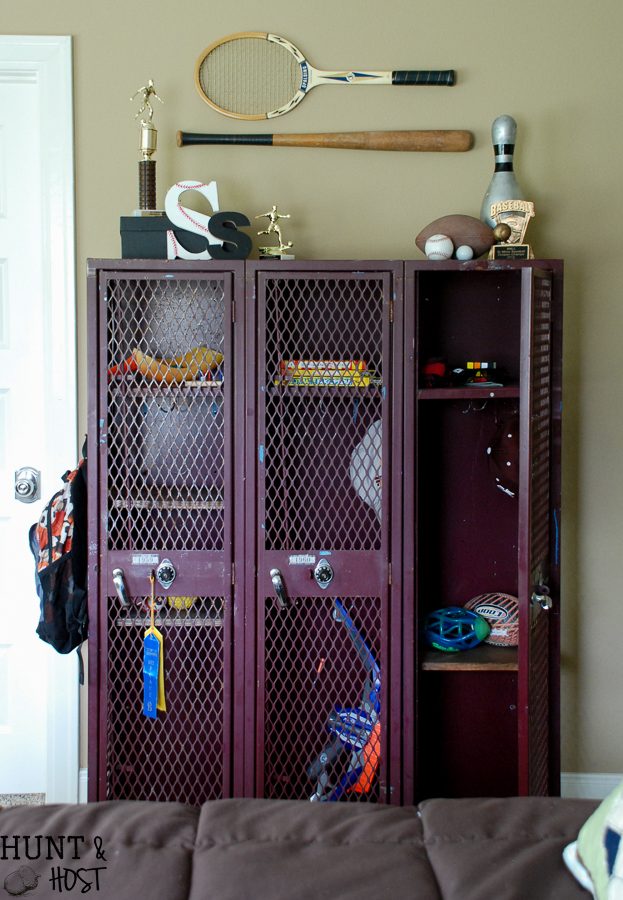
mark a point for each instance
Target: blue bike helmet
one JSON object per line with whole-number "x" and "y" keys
{"x": 454, "y": 628}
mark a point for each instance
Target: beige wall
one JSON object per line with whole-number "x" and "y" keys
{"x": 552, "y": 64}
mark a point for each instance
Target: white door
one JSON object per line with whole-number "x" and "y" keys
{"x": 38, "y": 688}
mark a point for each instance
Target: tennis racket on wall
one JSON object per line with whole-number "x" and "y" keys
{"x": 252, "y": 75}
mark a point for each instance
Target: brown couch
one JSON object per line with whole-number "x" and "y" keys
{"x": 293, "y": 850}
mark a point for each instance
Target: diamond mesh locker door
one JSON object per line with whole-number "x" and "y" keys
{"x": 324, "y": 450}
{"x": 166, "y": 379}
{"x": 534, "y": 532}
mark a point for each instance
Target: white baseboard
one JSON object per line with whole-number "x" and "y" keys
{"x": 83, "y": 785}
{"x": 588, "y": 785}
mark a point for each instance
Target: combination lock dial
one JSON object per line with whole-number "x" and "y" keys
{"x": 323, "y": 573}
{"x": 165, "y": 573}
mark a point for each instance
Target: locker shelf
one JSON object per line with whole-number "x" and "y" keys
{"x": 483, "y": 658}
{"x": 468, "y": 393}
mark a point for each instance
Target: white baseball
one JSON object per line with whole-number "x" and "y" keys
{"x": 464, "y": 252}
{"x": 439, "y": 246}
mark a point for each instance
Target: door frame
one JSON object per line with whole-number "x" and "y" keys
{"x": 47, "y": 60}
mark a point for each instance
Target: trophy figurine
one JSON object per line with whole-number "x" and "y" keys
{"x": 273, "y": 228}
{"x": 147, "y": 148}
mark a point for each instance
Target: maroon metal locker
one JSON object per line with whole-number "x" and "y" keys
{"x": 324, "y": 695}
{"x": 486, "y": 719}
{"x": 162, "y": 467}
{"x": 534, "y": 532}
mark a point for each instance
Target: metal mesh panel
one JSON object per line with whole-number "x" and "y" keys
{"x": 179, "y": 755}
{"x": 166, "y": 441}
{"x": 314, "y": 490}
{"x": 323, "y": 671}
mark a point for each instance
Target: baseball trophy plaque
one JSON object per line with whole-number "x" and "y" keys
{"x": 511, "y": 218}
{"x": 281, "y": 251}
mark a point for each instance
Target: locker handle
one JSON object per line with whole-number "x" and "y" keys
{"x": 117, "y": 577}
{"x": 541, "y": 596}
{"x": 275, "y": 576}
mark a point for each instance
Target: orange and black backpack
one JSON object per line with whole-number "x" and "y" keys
{"x": 59, "y": 544}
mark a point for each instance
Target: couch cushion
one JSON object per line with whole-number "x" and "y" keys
{"x": 140, "y": 849}
{"x": 507, "y": 849}
{"x": 297, "y": 850}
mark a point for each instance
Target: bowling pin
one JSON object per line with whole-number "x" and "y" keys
{"x": 503, "y": 185}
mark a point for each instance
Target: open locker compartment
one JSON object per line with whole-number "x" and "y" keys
{"x": 467, "y": 546}
{"x": 483, "y": 714}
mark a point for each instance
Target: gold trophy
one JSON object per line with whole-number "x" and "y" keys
{"x": 511, "y": 219}
{"x": 273, "y": 228}
{"x": 147, "y": 147}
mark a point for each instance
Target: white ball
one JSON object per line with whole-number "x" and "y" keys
{"x": 439, "y": 246}
{"x": 464, "y": 252}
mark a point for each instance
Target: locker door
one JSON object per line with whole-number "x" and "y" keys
{"x": 324, "y": 450}
{"x": 534, "y": 532}
{"x": 166, "y": 493}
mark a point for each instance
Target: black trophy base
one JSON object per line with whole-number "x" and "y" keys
{"x": 145, "y": 237}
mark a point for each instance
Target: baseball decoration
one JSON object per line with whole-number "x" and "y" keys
{"x": 189, "y": 219}
{"x": 439, "y": 246}
{"x": 464, "y": 252}
{"x": 463, "y": 231}
{"x": 501, "y": 611}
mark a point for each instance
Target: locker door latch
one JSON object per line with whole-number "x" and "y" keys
{"x": 277, "y": 580}
{"x": 541, "y": 596}
{"x": 122, "y": 593}
{"x": 323, "y": 573}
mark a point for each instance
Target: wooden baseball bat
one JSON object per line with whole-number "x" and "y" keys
{"x": 426, "y": 141}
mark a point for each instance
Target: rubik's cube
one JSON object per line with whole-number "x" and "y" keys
{"x": 480, "y": 371}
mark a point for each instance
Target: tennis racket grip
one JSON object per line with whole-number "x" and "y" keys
{"x": 423, "y": 141}
{"x": 418, "y": 77}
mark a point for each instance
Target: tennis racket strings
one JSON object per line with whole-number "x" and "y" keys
{"x": 249, "y": 77}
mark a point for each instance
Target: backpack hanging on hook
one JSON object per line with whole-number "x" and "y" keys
{"x": 58, "y": 542}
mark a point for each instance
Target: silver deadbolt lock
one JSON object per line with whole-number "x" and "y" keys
{"x": 27, "y": 485}
{"x": 165, "y": 573}
{"x": 323, "y": 573}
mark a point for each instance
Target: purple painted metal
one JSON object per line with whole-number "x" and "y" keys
{"x": 534, "y": 532}
{"x": 306, "y": 506}
{"x": 464, "y": 546}
{"x": 162, "y": 457}
{"x": 288, "y": 470}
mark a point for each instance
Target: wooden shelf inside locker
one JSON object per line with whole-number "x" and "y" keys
{"x": 152, "y": 388}
{"x": 470, "y": 393}
{"x": 169, "y": 498}
{"x": 483, "y": 658}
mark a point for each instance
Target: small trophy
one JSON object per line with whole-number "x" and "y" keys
{"x": 511, "y": 219}
{"x": 147, "y": 148}
{"x": 273, "y": 228}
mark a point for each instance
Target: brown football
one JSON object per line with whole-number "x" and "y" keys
{"x": 461, "y": 230}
